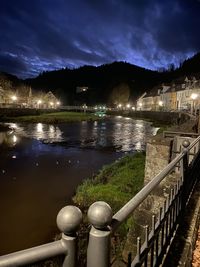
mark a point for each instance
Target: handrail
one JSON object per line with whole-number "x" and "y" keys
{"x": 130, "y": 206}
{"x": 34, "y": 254}
{"x": 121, "y": 215}
{"x": 68, "y": 221}
{"x": 173, "y": 133}
{"x": 104, "y": 224}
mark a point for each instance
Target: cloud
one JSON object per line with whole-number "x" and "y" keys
{"x": 43, "y": 35}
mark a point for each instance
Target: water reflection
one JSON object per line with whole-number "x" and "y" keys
{"x": 49, "y": 133}
{"x": 119, "y": 134}
{"x": 8, "y": 138}
{"x": 36, "y": 176}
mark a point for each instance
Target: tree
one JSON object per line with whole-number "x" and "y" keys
{"x": 120, "y": 94}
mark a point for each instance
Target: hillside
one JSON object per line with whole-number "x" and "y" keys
{"x": 105, "y": 83}
{"x": 100, "y": 81}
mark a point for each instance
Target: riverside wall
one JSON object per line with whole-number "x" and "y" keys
{"x": 158, "y": 155}
{"x": 14, "y": 112}
{"x": 158, "y": 116}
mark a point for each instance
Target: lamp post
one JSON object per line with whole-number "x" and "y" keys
{"x": 193, "y": 108}
{"x": 140, "y": 106}
{"x": 119, "y": 106}
{"x": 39, "y": 102}
{"x": 14, "y": 98}
{"x": 160, "y": 103}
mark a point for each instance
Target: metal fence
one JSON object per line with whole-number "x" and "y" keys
{"x": 151, "y": 252}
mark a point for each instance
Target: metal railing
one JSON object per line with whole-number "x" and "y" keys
{"x": 103, "y": 225}
{"x": 152, "y": 251}
{"x": 68, "y": 221}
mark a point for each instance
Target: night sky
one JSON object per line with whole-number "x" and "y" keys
{"x": 42, "y": 35}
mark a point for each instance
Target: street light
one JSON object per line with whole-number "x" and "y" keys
{"x": 128, "y": 105}
{"x": 51, "y": 104}
{"x": 140, "y": 105}
{"x": 14, "y": 98}
{"x": 193, "y": 97}
{"x": 160, "y": 103}
{"x": 39, "y": 102}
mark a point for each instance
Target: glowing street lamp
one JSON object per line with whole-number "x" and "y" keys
{"x": 39, "y": 102}
{"x": 51, "y": 104}
{"x": 119, "y": 106}
{"x": 193, "y": 96}
{"x": 160, "y": 103}
{"x": 133, "y": 108}
{"x": 140, "y": 106}
{"x": 14, "y": 98}
{"x": 58, "y": 103}
{"x": 128, "y": 105}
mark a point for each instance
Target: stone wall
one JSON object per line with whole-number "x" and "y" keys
{"x": 159, "y": 116}
{"x": 158, "y": 152}
{"x": 158, "y": 156}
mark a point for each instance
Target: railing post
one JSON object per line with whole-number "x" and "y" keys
{"x": 98, "y": 253}
{"x": 68, "y": 221}
{"x": 184, "y": 173}
{"x": 185, "y": 160}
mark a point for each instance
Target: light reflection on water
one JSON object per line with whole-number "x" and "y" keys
{"x": 41, "y": 165}
{"x": 119, "y": 133}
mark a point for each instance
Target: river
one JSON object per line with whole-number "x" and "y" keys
{"x": 41, "y": 166}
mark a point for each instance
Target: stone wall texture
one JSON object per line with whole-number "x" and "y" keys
{"x": 157, "y": 157}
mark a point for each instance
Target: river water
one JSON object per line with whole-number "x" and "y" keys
{"x": 41, "y": 166}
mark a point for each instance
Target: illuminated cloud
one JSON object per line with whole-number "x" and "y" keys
{"x": 47, "y": 35}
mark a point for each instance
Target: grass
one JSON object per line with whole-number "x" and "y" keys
{"x": 56, "y": 117}
{"x": 116, "y": 183}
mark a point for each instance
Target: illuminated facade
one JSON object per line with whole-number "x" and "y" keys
{"x": 182, "y": 94}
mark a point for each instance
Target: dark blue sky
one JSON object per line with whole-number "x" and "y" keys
{"x": 43, "y": 35}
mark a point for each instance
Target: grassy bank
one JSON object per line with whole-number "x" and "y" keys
{"x": 116, "y": 183}
{"x": 56, "y": 117}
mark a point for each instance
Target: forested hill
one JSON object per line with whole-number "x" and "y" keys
{"x": 109, "y": 83}
{"x": 100, "y": 81}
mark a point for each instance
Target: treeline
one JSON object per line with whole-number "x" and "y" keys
{"x": 108, "y": 83}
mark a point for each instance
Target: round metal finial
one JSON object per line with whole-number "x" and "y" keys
{"x": 100, "y": 214}
{"x": 69, "y": 219}
{"x": 186, "y": 143}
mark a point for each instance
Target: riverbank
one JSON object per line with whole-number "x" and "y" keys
{"x": 116, "y": 183}
{"x": 160, "y": 117}
{"x": 55, "y": 117}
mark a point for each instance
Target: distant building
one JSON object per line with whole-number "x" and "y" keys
{"x": 180, "y": 94}
{"x": 81, "y": 89}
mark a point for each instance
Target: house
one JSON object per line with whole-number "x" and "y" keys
{"x": 81, "y": 89}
